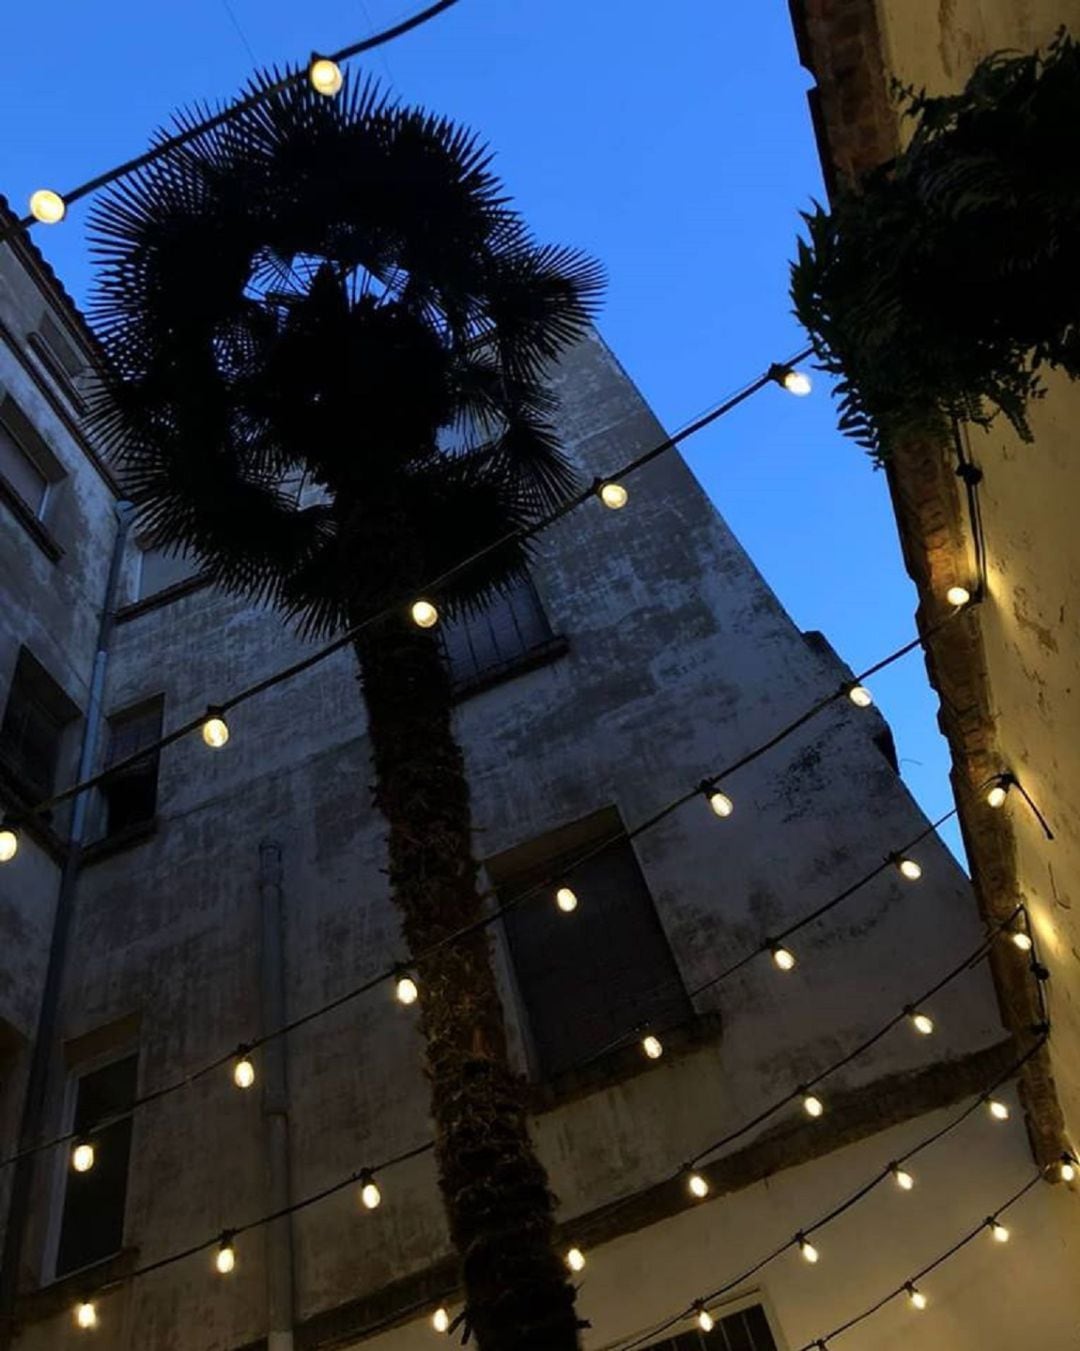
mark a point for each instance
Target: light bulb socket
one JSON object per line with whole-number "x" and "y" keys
{"x": 969, "y": 473}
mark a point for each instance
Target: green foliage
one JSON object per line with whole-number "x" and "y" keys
{"x": 938, "y": 286}
{"x": 327, "y": 331}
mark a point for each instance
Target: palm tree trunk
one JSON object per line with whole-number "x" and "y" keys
{"x": 501, "y": 1210}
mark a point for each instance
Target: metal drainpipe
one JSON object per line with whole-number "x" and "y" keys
{"x": 30, "y": 1126}
{"x": 275, "y": 1099}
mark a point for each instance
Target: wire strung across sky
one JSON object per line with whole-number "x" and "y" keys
{"x": 369, "y": 1172}
{"x": 164, "y": 144}
{"x": 545, "y": 885}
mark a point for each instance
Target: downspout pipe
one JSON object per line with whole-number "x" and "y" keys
{"x": 275, "y": 1099}
{"x": 32, "y": 1119}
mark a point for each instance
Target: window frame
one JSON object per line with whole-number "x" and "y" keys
{"x": 124, "y": 1049}
{"x": 69, "y": 714}
{"x": 729, "y": 1308}
{"x": 29, "y": 442}
{"x": 129, "y": 712}
{"x": 549, "y": 646}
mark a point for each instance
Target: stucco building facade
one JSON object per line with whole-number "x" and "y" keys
{"x": 216, "y": 894}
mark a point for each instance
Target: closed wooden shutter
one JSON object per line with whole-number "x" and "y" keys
{"x": 497, "y": 637}
{"x": 589, "y": 978}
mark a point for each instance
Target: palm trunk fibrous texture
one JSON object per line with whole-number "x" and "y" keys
{"x": 501, "y": 1210}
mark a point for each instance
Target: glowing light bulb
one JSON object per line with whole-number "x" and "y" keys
{"x": 1022, "y": 939}
{"x": 47, "y": 206}
{"x": 613, "y": 495}
{"x": 907, "y": 867}
{"x": 997, "y": 795}
{"x": 566, "y": 900}
{"x": 904, "y": 1180}
{"x": 812, "y": 1105}
{"x": 370, "y": 1194}
{"x": 325, "y": 76}
{"x": 9, "y": 843}
{"x": 705, "y": 1319}
{"x": 575, "y": 1259}
{"x": 697, "y": 1185}
{"x": 958, "y": 595}
{"x": 783, "y": 958}
{"x": 82, "y": 1157}
{"x": 424, "y": 614}
{"x": 998, "y": 1230}
{"x": 922, "y": 1023}
{"x": 86, "y": 1314}
{"x": 916, "y": 1298}
{"x": 1067, "y": 1170}
{"x": 243, "y": 1073}
{"x": 797, "y": 383}
{"x": 809, "y": 1252}
{"x": 998, "y": 1110}
{"x": 721, "y": 804}
{"x": 225, "y": 1258}
{"x": 652, "y": 1046}
{"x": 860, "y": 696}
{"x": 406, "y": 990}
{"x": 440, "y": 1319}
{"x": 215, "y": 730}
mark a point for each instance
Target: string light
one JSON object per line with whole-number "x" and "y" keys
{"x": 812, "y": 1105}
{"x": 697, "y": 1185}
{"x": 958, "y": 596}
{"x": 721, "y": 804}
{"x": 704, "y": 1318}
{"x": 47, "y": 206}
{"x": 1067, "y": 1168}
{"x": 82, "y": 1157}
{"x": 575, "y": 1259}
{"x": 613, "y": 495}
{"x": 243, "y": 1071}
{"x": 652, "y": 1046}
{"x": 9, "y": 840}
{"x": 997, "y": 1109}
{"x": 783, "y": 958}
{"x": 795, "y": 382}
{"x": 999, "y": 791}
{"x": 860, "y": 696}
{"x": 1021, "y": 939}
{"x": 370, "y": 1194}
{"x": 215, "y": 730}
{"x": 907, "y": 867}
{"x": 406, "y": 990}
{"x": 325, "y": 76}
{"x": 921, "y": 1022}
{"x": 225, "y": 1257}
{"x": 424, "y": 614}
{"x": 904, "y": 1179}
{"x": 916, "y": 1298}
{"x": 997, "y": 1229}
{"x": 806, "y": 1248}
{"x": 566, "y": 900}
{"x": 440, "y": 1319}
{"x": 86, "y": 1314}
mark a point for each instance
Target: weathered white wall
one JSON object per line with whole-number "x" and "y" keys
{"x": 53, "y": 607}
{"x": 680, "y": 660}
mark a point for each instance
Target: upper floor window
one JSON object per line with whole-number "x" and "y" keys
{"x": 27, "y": 466}
{"x": 161, "y": 568}
{"x": 592, "y": 978}
{"x": 63, "y": 360}
{"x": 36, "y": 717}
{"x": 130, "y": 794}
{"x": 746, "y": 1330}
{"x": 92, "y": 1220}
{"x": 502, "y": 635}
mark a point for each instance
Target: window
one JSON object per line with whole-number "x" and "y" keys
{"x": 747, "y": 1330}
{"x": 161, "y": 568}
{"x": 587, "y": 979}
{"x": 32, "y": 733}
{"x": 92, "y": 1223}
{"x": 499, "y": 637}
{"x": 131, "y": 794}
{"x": 61, "y": 359}
{"x": 19, "y": 469}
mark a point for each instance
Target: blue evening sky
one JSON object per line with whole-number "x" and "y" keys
{"x": 672, "y": 141}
